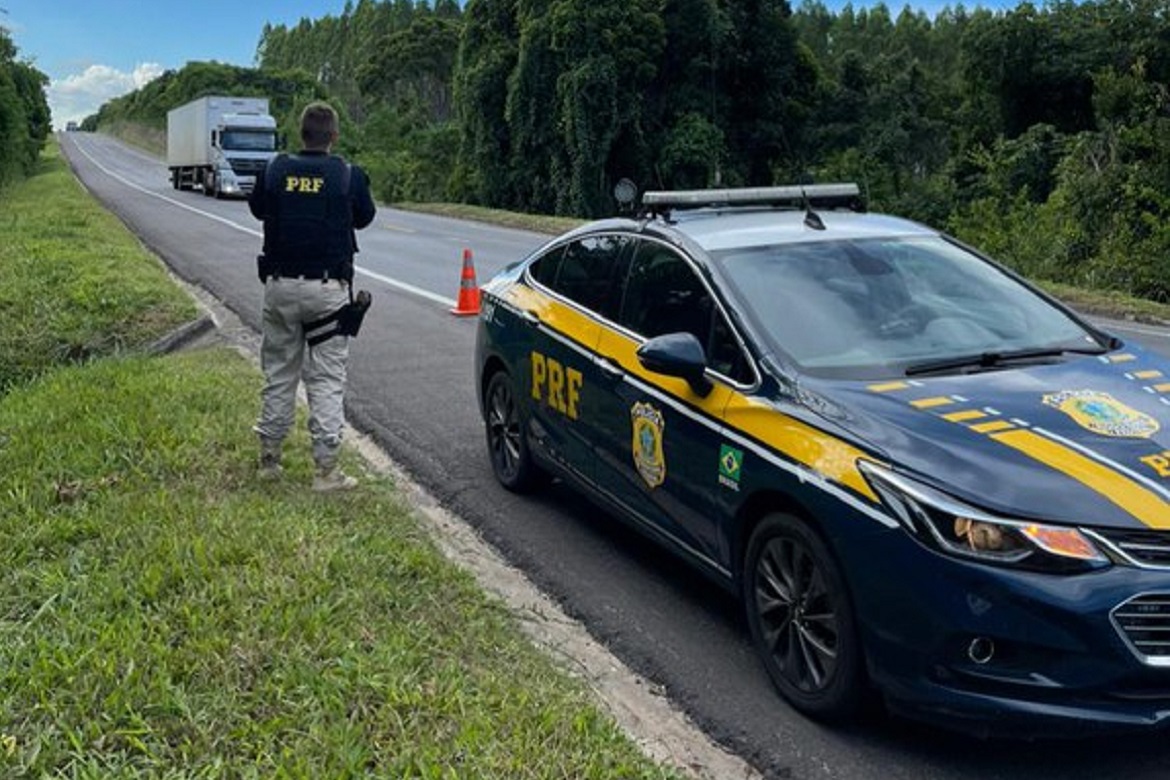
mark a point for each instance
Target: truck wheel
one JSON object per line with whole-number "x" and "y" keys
{"x": 801, "y": 619}
{"x": 208, "y": 183}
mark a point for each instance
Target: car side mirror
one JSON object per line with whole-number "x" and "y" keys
{"x": 680, "y": 355}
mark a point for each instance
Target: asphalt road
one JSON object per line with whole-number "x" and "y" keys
{"x": 412, "y": 391}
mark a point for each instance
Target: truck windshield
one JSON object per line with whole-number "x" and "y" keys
{"x": 249, "y": 140}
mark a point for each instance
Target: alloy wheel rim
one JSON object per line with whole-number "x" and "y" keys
{"x": 504, "y": 430}
{"x": 797, "y": 616}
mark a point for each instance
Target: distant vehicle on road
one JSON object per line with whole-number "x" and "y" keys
{"x": 220, "y": 144}
{"x": 921, "y": 475}
{"x": 70, "y": 127}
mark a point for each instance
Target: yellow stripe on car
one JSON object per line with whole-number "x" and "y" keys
{"x": 1143, "y": 504}
{"x": 829, "y": 456}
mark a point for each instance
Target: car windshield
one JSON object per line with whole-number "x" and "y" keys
{"x": 872, "y": 307}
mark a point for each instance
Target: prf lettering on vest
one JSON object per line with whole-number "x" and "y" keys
{"x": 557, "y": 384}
{"x": 1160, "y": 463}
{"x": 304, "y": 184}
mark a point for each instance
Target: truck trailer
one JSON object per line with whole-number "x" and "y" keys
{"x": 220, "y": 144}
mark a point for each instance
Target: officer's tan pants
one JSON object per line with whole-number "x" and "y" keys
{"x": 286, "y": 360}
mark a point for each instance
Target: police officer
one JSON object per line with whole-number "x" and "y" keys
{"x": 310, "y": 203}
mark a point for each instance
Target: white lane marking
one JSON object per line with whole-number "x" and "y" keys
{"x": 408, "y": 288}
{"x": 164, "y": 198}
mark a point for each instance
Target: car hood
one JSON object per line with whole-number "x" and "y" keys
{"x": 1084, "y": 441}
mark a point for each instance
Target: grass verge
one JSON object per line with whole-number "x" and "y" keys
{"x": 164, "y": 614}
{"x": 77, "y": 283}
{"x": 537, "y": 223}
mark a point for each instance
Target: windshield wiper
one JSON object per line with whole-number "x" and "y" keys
{"x": 989, "y": 360}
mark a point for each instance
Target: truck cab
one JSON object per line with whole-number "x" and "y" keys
{"x": 219, "y": 144}
{"x": 244, "y": 143}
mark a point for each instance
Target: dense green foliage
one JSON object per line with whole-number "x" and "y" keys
{"x": 287, "y": 91}
{"x": 24, "y": 113}
{"x": 1039, "y": 133}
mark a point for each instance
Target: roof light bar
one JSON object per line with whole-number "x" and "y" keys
{"x": 844, "y": 195}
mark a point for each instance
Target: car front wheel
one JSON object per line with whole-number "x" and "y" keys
{"x": 511, "y": 460}
{"x": 801, "y": 619}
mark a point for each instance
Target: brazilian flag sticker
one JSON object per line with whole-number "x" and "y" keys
{"x": 730, "y": 465}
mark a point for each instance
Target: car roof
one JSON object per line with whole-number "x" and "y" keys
{"x": 733, "y": 228}
{"x": 721, "y": 219}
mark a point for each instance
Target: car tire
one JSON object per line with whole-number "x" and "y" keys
{"x": 801, "y": 619}
{"x": 511, "y": 459}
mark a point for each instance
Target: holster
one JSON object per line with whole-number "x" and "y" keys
{"x": 349, "y": 320}
{"x": 346, "y": 321}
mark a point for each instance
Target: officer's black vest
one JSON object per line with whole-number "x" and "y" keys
{"x": 309, "y": 225}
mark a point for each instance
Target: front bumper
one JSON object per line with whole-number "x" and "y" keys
{"x": 997, "y": 651}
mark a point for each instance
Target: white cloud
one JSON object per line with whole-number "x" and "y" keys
{"x": 75, "y": 97}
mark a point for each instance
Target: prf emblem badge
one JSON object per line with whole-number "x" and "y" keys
{"x": 647, "y": 445}
{"x": 1103, "y": 414}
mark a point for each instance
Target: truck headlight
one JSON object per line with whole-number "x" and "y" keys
{"x": 950, "y": 526}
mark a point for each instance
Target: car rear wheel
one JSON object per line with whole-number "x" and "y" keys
{"x": 511, "y": 460}
{"x": 801, "y": 619}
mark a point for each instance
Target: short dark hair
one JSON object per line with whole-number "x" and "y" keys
{"x": 318, "y": 125}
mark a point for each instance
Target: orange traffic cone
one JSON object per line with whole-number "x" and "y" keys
{"x": 468, "y": 302}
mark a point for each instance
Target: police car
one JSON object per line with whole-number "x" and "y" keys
{"x": 922, "y": 476}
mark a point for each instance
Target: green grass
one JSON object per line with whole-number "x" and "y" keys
{"x": 77, "y": 284}
{"x": 1106, "y": 303}
{"x": 164, "y": 614}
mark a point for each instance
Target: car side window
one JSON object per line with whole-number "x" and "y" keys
{"x": 584, "y": 270}
{"x": 544, "y": 269}
{"x": 664, "y": 294}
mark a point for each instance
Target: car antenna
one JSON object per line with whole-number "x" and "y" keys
{"x": 811, "y": 218}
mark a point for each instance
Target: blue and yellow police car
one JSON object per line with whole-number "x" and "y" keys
{"x": 924, "y": 477}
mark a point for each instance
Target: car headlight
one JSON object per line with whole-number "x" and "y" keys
{"x": 950, "y": 526}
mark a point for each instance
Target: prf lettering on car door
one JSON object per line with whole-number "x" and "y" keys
{"x": 555, "y": 383}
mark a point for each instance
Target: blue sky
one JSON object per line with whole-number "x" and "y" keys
{"x": 94, "y": 50}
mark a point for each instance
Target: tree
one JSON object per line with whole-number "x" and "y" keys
{"x": 609, "y": 50}
{"x": 24, "y": 113}
{"x": 768, "y": 83}
{"x": 487, "y": 56}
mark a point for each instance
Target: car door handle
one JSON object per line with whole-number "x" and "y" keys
{"x": 609, "y": 369}
{"x": 530, "y": 319}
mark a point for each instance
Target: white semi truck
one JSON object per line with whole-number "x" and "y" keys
{"x": 220, "y": 144}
